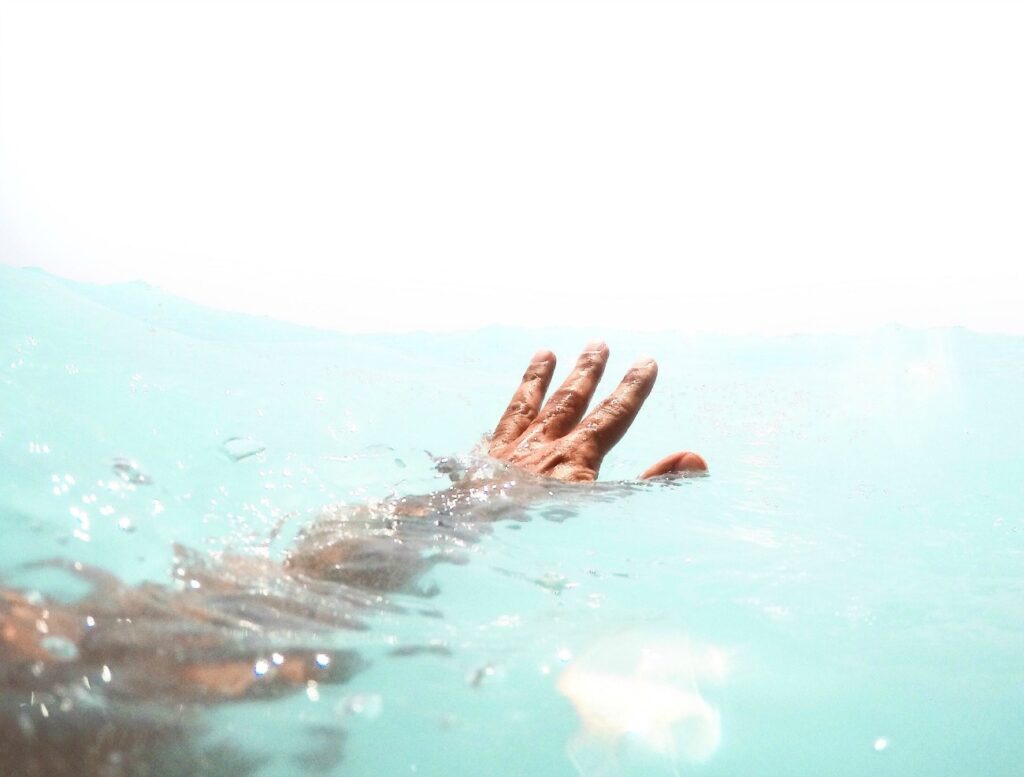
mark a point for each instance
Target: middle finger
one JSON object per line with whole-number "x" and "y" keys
{"x": 566, "y": 406}
{"x": 613, "y": 416}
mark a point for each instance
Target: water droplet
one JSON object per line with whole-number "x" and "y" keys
{"x": 312, "y": 691}
{"x": 105, "y": 674}
{"x": 261, "y": 667}
{"x": 277, "y": 659}
{"x": 880, "y": 744}
{"x": 125, "y": 524}
{"x": 322, "y": 660}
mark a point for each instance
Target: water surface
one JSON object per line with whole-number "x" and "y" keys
{"x": 842, "y": 595}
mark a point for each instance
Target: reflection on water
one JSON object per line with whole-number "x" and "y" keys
{"x": 643, "y": 690}
{"x": 116, "y": 680}
{"x": 859, "y": 546}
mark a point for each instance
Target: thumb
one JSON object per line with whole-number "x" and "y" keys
{"x": 684, "y": 461}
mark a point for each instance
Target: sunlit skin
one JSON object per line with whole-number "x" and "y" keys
{"x": 556, "y": 439}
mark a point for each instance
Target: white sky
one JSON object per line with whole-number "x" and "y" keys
{"x": 704, "y": 166}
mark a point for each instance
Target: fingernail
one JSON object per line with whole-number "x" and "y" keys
{"x": 594, "y": 345}
{"x": 643, "y": 361}
{"x": 543, "y": 355}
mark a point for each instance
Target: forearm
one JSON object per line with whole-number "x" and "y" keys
{"x": 385, "y": 545}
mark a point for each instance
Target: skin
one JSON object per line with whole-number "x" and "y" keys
{"x": 556, "y": 439}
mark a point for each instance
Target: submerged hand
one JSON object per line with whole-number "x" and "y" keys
{"x": 556, "y": 440}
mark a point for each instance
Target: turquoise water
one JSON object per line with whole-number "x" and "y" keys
{"x": 842, "y": 595}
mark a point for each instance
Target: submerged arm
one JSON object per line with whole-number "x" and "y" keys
{"x": 537, "y": 450}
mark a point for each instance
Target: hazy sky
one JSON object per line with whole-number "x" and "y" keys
{"x": 383, "y": 165}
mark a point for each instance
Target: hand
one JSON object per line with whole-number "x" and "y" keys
{"x": 555, "y": 442}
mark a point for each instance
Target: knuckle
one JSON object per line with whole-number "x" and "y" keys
{"x": 518, "y": 408}
{"x": 560, "y": 397}
{"x": 564, "y": 402}
{"x": 615, "y": 408}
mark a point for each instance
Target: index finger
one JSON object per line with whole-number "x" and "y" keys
{"x": 608, "y": 422}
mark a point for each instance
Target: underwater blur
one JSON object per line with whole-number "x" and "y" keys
{"x": 232, "y": 546}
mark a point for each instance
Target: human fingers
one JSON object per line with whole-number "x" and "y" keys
{"x": 683, "y": 461}
{"x": 613, "y": 416}
{"x": 566, "y": 406}
{"x": 526, "y": 401}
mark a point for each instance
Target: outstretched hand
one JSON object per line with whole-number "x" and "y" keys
{"x": 556, "y": 440}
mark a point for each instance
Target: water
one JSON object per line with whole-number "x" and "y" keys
{"x": 843, "y": 595}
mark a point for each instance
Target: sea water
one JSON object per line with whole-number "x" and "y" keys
{"x": 842, "y": 595}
